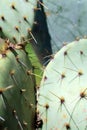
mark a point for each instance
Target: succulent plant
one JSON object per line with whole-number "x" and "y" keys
{"x": 20, "y": 23}
{"x": 62, "y": 97}
{"x": 17, "y": 19}
{"x": 66, "y": 21}
{"x": 17, "y": 88}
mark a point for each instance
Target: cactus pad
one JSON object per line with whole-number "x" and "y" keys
{"x": 62, "y": 98}
{"x": 66, "y": 20}
{"x": 16, "y": 18}
{"x": 17, "y": 93}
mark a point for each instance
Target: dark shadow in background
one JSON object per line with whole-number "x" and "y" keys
{"x": 40, "y": 31}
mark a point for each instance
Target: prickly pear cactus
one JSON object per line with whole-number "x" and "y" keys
{"x": 62, "y": 98}
{"x": 66, "y": 20}
{"x": 17, "y": 92}
{"x": 17, "y": 18}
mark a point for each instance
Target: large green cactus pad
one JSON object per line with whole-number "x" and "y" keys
{"x": 62, "y": 98}
{"x": 17, "y": 89}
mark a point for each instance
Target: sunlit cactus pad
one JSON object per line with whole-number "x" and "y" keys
{"x": 62, "y": 98}
{"x": 16, "y": 18}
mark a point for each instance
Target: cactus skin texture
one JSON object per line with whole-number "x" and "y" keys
{"x": 66, "y": 21}
{"x": 62, "y": 98}
{"x": 16, "y": 18}
{"x": 17, "y": 92}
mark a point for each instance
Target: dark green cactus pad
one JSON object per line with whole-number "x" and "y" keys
{"x": 17, "y": 89}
